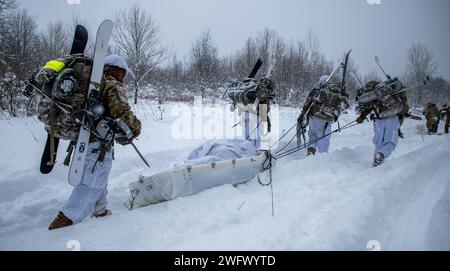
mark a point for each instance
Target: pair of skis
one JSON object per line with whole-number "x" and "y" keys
{"x": 104, "y": 34}
{"x": 342, "y": 65}
{"x": 391, "y": 89}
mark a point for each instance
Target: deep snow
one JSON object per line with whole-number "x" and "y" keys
{"x": 334, "y": 201}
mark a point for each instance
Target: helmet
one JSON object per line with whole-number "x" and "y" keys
{"x": 117, "y": 61}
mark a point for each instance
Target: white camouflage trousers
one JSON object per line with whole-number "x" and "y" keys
{"x": 252, "y": 128}
{"x": 385, "y": 136}
{"x": 89, "y": 195}
{"x": 317, "y": 129}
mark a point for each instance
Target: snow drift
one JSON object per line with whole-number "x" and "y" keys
{"x": 334, "y": 201}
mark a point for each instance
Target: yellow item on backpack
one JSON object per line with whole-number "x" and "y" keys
{"x": 55, "y": 65}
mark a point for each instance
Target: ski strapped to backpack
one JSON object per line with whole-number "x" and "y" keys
{"x": 104, "y": 33}
{"x": 107, "y": 128}
{"x": 385, "y": 90}
{"x": 327, "y": 100}
{"x": 48, "y": 158}
{"x": 249, "y": 94}
{"x": 252, "y": 91}
{"x": 74, "y": 92}
{"x": 344, "y": 74}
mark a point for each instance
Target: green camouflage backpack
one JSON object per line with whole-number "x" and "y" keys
{"x": 65, "y": 81}
{"x": 328, "y": 102}
{"x": 390, "y": 105}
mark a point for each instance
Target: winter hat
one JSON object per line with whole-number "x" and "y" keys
{"x": 323, "y": 79}
{"x": 117, "y": 61}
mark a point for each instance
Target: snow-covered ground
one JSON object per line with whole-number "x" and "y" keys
{"x": 334, "y": 201}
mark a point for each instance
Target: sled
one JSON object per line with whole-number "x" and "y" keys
{"x": 190, "y": 179}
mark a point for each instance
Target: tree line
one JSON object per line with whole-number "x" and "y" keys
{"x": 157, "y": 72}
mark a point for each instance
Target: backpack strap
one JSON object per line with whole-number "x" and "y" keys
{"x": 52, "y": 132}
{"x": 69, "y": 153}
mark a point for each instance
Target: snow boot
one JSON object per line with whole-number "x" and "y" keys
{"x": 379, "y": 159}
{"x": 400, "y": 134}
{"x": 60, "y": 221}
{"x": 311, "y": 151}
{"x": 106, "y": 212}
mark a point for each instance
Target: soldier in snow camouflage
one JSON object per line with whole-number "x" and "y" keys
{"x": 387, "y": 116}
{"x": 116, "y": 103}
{"x": 446, "y": 112}
{"x": 89, "y": 197}
{"x": 112, "y": 95}
{"x": 322, "y": 107}
{"x": 432, "y": 115}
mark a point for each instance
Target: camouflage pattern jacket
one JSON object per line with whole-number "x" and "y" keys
{"x": 432, "y": 113}
{"x": 112, "y": 95}
{"x": 116, "y": 104}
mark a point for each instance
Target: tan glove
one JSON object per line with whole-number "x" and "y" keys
{"x": 124, "y": 141}
{"x": 360, "y": 119}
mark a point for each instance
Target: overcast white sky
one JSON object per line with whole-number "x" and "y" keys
{"x": 387, "y": 29}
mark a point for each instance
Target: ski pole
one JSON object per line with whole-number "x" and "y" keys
{"x": 357, "y": 80}
{"x": 140, "y": 154}
{"x": 377, "y": 60}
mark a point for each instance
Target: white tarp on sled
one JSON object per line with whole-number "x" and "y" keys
{"x": 211, "y": 164}
{"x": 221, "y": 150}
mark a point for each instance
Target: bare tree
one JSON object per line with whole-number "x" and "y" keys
{"x": 420, "y": 64}
{"x": 55, "y": 41}
{"x": 6, "y": 5}
{"x": 20, "y": 41}
{"x": 204, "y": 66}
{"x": 138, "y": 38}
{"x": 317, "y": 64}
{"x": 246, "y": 59}
{"x": 19, "y": 45}
{"x": 420, "y": 61}
{"x": 439, "y": 91}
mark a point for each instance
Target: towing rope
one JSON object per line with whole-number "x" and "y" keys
{"x": 267, "y": 165}
{"x": 288, "y": 152}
